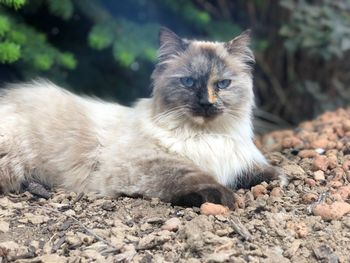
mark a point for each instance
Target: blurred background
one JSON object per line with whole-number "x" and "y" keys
{"x": 108, "y": 48}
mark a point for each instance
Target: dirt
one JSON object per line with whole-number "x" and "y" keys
{"x": 306, "y": 221}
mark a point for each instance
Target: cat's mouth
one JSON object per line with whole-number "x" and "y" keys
{"x": 207, "y": 114}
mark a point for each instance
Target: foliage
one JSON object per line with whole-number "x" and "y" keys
{"x": 302, "y": 47}
{"x": 29, "y": 48}
{"x": 322, "y": 30}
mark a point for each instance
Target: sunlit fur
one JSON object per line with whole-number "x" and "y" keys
{"x": 83, "y": 144}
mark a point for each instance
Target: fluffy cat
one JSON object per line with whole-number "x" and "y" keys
{"x": 189, "y": 143}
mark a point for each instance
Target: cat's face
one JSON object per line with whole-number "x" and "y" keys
{"x": 202, "y": 81}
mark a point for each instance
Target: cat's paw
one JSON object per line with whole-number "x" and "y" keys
{"x": 265, "y": 173}
{"x": 199, "y": 194}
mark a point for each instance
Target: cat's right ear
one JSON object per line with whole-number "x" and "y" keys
{"x": 170, "y": 44}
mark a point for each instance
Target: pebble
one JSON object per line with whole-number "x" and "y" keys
{"x": 294, "y": 171}
{"x": 213, "y": 209}
{"x": 4, "y": 226}
{"x": 320, "y": 143}
{"x": 36, "y": 219}
{"x": 258, "y": 190}
{"x": 276, "y": 192}
{"x": 172, "y": 224}
{"x": 320, "y": 163}
{"x": 310, "y": 182}
{"x": 333, "y": 211}
{"x": 319, "y": 175}
{"x": 307, "y": 153}
{"x": 309, "y": 198}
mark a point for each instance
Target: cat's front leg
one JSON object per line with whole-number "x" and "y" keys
{"x": 181, "y": 183}
{"x": 260, "y": 173}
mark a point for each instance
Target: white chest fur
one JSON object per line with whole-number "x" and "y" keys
{"x": 224, "y": 156}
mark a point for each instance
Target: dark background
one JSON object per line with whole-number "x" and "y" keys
{"x": 107, "y": 48}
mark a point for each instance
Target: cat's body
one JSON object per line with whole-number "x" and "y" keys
{"x": 154, "y": 149}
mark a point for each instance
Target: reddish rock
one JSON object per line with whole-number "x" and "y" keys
{"x": 333, "y": 211}
{"x": 310, "y": 182}
{"x": 346, "y": 165}
{"x": 309, "y": 198}
{"x": 301, "y": 229}
{"x": 258, "y": 190}
{"x": 320, "y": 143}
{"x": 276, "y": 192}
{"x": 307, "y": 153}
{"x": 213, "y": 209}
{"x": 338, "y": 173}
{"x": 332, "y": 161}
{"x": 335, "y": 184}
{"x": 320, "y": 163}
{"x": 239, "y": 201}
{"x": 292, "y": 142}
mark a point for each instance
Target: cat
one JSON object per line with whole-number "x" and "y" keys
{"x": 190, "y": 143}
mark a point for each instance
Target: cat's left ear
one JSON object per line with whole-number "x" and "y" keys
{"x": 239, "y": 46}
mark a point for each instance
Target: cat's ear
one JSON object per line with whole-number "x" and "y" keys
{"x": 170, "y": 44}
{"x": 239, "y": 46}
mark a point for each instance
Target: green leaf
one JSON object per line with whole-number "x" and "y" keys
{"x": 4, "y": 25}
{"x": 61, "y": 8}
{"x": 100, "y": 37}
{"x": 67, "y": 60}
{"x": 9, "y": 52}
{"x": 43, "y": 62}
{"x": 16, "y": 4}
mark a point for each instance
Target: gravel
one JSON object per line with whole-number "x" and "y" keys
{"x": 306, "y": 221}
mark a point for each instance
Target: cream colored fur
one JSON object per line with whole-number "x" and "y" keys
{"x": 84, "y": 144}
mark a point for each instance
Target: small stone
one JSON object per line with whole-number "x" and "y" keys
{"x": 72, "y": 240}
{"x": 86, "y": 239}
{"x": 310, "y": 182}
{"x": 69, "y": 212}
{"x": 333, "y": 211}
{"x": 213, "y": 209}
{"x": 332, "y": 161}
{"x": 320, "y": 150}
{"x": 319, "y": 175}
{"x": 344, "y": 192}
{"x": 292, "y": 142}
{"x": 4, "y": 226}
{"x": 335, "y": 184}
{"x": 239, "y": 201}
{"x": 172, "y": 224}
{"x": 276, "y": 192}
{"x": 258, "y": 190}
{"x": 36, "y": 219}
{"x": 346, "y": 165}
{"x": 301, "y": 229}
{"x": 52, "y": 258}
{"x": 307, "y": 153}
{"x": 320, "y": 143}
{"x": 309, "y": 198}
{"x": 320, "y": 163}
{"x": 294, "y": 171}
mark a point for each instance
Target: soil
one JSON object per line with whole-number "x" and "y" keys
{"x": 306, "y": 221}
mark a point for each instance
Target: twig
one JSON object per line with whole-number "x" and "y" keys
{"x": 241, "y": 229}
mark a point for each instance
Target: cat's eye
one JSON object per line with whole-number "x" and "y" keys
{"x": 223, "y": 84}
{"x": 187, "y": 81}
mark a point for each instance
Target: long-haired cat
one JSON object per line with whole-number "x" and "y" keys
{"x": 188, "y": 144}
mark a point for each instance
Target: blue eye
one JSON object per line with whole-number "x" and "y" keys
{"x": 223, "y": 84}
{"x": 188, "y": 82}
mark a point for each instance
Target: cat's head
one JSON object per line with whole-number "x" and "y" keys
{"x": 200, "y": 81}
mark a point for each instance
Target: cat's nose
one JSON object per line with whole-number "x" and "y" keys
{"x": 205, "y": 103}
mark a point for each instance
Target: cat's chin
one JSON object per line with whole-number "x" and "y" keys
{"x": 201, "y": 120}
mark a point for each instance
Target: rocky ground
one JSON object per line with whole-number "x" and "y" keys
{"x": 307, "y": 221}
